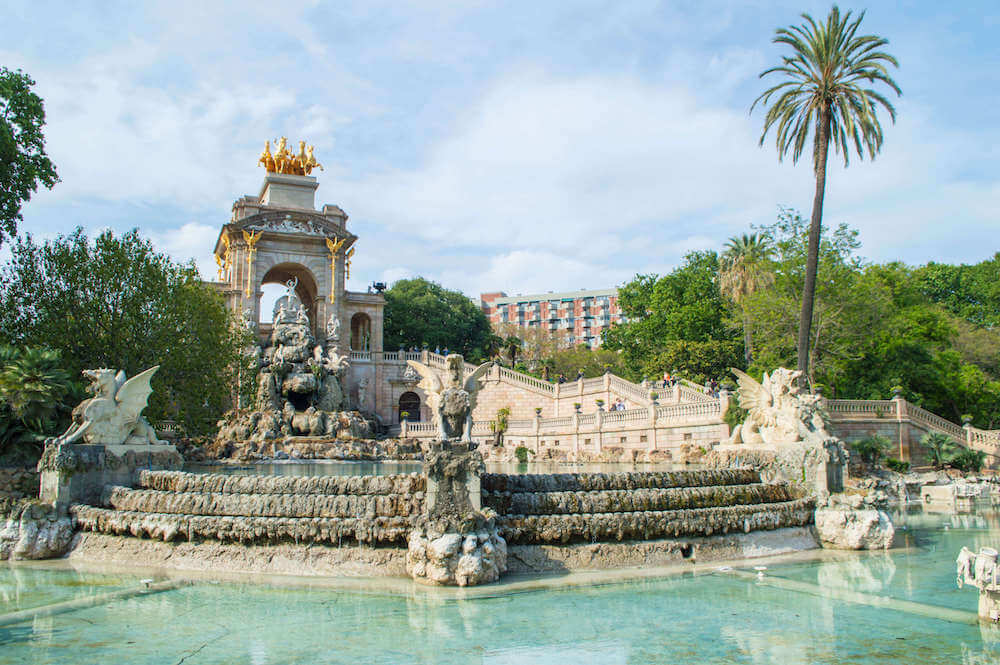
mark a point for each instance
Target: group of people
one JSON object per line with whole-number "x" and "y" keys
{"x": 617, "y": 405}
{"x": 711, "y": 386}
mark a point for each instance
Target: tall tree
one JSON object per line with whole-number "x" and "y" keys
{"x": 23, "y": 162}
{"x": 420, "y": 312}
{"x": 678, "y": 323}
{"x": 116, "y": 302}
{"x": 824, "y": 93}
{"x": 745, "y": 268}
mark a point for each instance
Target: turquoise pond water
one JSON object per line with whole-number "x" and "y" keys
{"x": 903, "y": 612}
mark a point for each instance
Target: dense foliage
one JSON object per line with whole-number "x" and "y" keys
{"x": 679, "y": 323}
{"x": 421, "y": 313}
{"x": 928, "y": 329}
{"x": 23, "y": 162}
{"x": 36, "y": 400}
{"x": 117, "y": 303}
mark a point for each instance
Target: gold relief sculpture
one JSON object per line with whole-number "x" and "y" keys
{"x": 251, "y": 240}
{"x": 347, "y": 263}
{"x": 334, "y": 247}
{"x": 266, "y": 158}
{"x": 284, "y": 161}
{"x": 224, "y": 261}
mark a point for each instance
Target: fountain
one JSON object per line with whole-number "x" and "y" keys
{"x": 299, "y": 391}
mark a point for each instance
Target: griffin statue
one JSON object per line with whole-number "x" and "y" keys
{"x": 451, "y": 402}
{"x": 778, "y": 412}
{"x": 114, "y": 415}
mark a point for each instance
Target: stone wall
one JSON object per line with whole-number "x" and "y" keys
{"x": 382, "y": 510}
{"x": 17, "y": 483}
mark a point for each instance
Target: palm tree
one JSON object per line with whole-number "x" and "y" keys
{"x": 743, "y": 270}
{"x": 512, "y": 345}
{"x": 824, "y": 92}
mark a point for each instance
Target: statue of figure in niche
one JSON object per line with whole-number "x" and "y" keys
{"x": 333, "y": 328}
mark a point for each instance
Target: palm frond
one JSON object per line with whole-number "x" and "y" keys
{"x": 828, "y": 77}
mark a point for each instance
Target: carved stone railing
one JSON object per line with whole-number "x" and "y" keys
{"x": 934, "y": 421}
{"x": 685, "y": 411}
{"x": 628, "y": 389}
{"x": 516, "y": 378}
{"x": 982, "y": 438}
{"x": 862, "y": 407}
{"x": 364, "y": 356}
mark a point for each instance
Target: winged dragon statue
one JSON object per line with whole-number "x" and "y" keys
{"x": 778, "y": 412}
{"x": 113, "y": 416}
{"x": 453, "y": 399}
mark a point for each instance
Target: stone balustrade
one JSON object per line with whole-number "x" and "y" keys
{"x": 667, "y": 426}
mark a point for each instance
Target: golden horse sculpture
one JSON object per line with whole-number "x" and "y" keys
{"x": 284, "y": 161}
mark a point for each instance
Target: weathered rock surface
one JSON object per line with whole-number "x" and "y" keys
{"x": 589, "y": 482}
{"x": 476, "y": 554}
{"x": 841, "y": 527}
{"x": 299, "y": 391}
{"x": 179, "y": 481}
{"x": 243, "y": 529}
{"x": 634, "y": 500}
{"x": 655, "y": 524}
{"x": 36, "y": 531}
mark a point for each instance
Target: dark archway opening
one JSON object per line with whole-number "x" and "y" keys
{"x": 361, "y": 332}
{"x": 410, "y": 403}
{"x": 306, "y": 289}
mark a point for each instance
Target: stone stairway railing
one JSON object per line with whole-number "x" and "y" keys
{"x": 650, "y": 418}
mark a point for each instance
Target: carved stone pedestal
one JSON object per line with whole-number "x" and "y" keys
{"x": 982, "y": 571}
{"x": 77, "y": 473}
{"x": 456, "y": 542}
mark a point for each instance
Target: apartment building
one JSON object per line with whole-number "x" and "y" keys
{"x": 581, "y": 315}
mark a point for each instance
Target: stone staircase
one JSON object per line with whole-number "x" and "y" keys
{"x": 173, "y": 505}
{"x": 382, "y": 510}
{"x": 563, "y": 508}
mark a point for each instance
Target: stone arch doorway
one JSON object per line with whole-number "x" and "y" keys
{"x": 410, "y": 403}
{"x": 306, "y": 289}
{"x": 361, "y": 332}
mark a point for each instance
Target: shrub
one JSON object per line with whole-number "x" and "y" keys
{"x": 872, "y": 449}
{"x": 521, "y": 453}
{"x": 899, "y": 466}
{"x": 969, "y": 460}
{"x": 940, "y": 448}
{"x": 734, "y": 415}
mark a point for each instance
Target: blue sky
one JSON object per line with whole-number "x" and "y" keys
{"x": 515, "y": 146}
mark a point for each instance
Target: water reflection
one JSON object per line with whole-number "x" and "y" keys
{"x": 684, "y": 619}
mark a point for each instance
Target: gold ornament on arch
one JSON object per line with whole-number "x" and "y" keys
{"x": 284, "y": 161}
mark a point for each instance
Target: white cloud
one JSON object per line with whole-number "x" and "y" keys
{"x": 190, "y": 241}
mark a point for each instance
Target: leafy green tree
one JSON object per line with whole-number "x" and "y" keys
{"x": 670, "y": 318}
{"x": 971, "y": 292}
{"x": 118, "y": 303}
{"x": 36, "y": 399}
{"x": 582, "y": 358}
{"x": 23, "y": 162}
{"x": 421, "y": 312}
{"x": 970, "y": 461}
{"x": 745, "y": 268}
{"x": 823, "y": 93}
{"x": 846, "y": 307}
